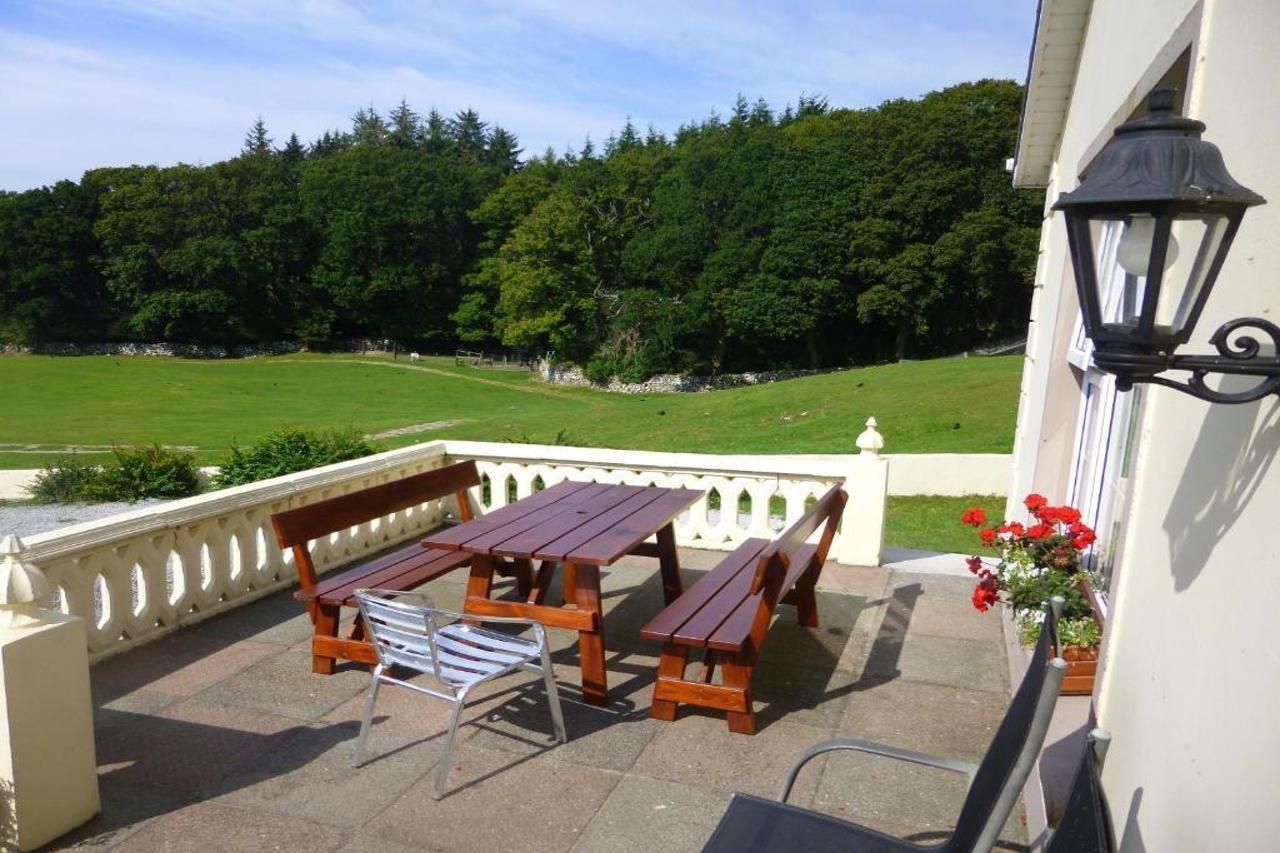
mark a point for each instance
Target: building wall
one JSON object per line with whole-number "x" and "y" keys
{"x": 1190, "y": 686}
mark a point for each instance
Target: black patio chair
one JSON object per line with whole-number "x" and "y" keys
{"x": 756, "y": 824}
{"x": 1086, "y": 822}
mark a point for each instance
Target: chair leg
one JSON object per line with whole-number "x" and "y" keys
{"x": 446, "y": 761}
{"x": 553, "y": 695}
{"x": 368, "y": 716}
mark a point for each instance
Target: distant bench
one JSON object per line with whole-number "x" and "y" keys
{"x": 727, "y": 612}
{"x": 403, "y": 569}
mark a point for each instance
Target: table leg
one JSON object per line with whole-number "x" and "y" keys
{"x": 326, "y": 620}
{"x": 480, "y": 582}
{"x": 570, "y": 583}
{"x": 595, "y": 689}
{"x": 669, "y": 563}
{"x": 524, "y": 576}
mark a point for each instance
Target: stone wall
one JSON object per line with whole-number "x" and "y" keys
{"x": 668, "y": 382}
{"x": 192, "y": 350}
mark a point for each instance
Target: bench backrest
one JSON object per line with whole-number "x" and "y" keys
{"x": 775, "y": 562}
{"x": 296, "y": 527}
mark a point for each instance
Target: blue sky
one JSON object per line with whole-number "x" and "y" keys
{"x": 113, "y": 82}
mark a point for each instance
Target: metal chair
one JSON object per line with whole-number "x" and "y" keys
{"x": 1086, "y": 823}
{"x": 408, "y": 631}
{"x": 753, "y": 823}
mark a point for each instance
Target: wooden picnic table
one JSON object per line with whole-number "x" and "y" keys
{"x": 581, "y": 527}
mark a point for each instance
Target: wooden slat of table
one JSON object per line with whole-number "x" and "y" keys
{"x": 453, "y": 538}
{"x": 618, "y": 541}
{"x": 530, "y": 543}
{"x": 560, "y": 549}
{"x": 665, "y": 625}
{"x": 570, "y": 505}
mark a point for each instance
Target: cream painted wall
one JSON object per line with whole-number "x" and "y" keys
{"x": 1191, "y": 669}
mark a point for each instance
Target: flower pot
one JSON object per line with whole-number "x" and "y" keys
{"x": 1082, "y": 661}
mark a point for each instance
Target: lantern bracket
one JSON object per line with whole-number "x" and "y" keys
{"x": 1238, "y": 355}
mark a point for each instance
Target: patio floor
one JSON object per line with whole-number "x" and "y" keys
{"x": 219, "y": 737}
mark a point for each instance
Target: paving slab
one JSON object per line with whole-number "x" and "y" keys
{"x": 950, "y": 722}
{"x": 654, "y": 815}
{"x": 535, "y": 802}
{"x": 285, "y": 685}
{"x": 941, "y": 660}
{"x": 699, "y": 750}
{"x": 277, "y": 618}
{"x": 126, "y": 809}
{"x": 211, "y": 826}
{"x": 312, "y": 775}
{"x": 189, "y": 747}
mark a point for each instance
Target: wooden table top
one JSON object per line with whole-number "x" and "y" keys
{"x": 570, "y": 522}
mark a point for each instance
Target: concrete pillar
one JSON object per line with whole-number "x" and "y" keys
{"x": 48, "y": 766}
{"x": 867, "y": 482}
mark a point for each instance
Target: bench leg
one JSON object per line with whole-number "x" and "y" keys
{"x": 672, "y": 665}
{"x": 737, "y": 674}
{"x": 326, "y": 619}
{"x": 807, "y": 601}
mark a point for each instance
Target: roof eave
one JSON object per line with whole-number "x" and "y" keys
{"x": 1051, "y": 74}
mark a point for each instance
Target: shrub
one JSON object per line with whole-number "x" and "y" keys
{"x": 136, "y": 473}
{"x": 288, "y": 450}
{"x": 146, "y": 472}
{"x": 64, "y": 481}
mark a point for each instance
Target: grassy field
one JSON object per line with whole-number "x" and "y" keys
{"x": 54, "y": 404}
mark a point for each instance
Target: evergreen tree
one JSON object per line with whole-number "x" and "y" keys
{"x": 256, "y": 141}
{"x": 468, "y": 133}
{"x": 405, "y": 131}
{"x": 502, "y": 150}
{"x": 293, "y": 151}
{"x": 368, "y": 128}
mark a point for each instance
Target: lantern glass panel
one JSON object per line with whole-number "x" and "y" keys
{"x": 1198, "y": 237}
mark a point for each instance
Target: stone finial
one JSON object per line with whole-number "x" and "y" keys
{"x": 870, "y": 441}
{"x": 23, "y": 588}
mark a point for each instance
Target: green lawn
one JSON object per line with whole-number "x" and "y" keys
{"x": 953, "y": 405}
{"x": 932, "y": 522}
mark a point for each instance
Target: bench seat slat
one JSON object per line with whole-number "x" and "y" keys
{"x": 664, "y": 626}
{"x": 732, "y": 633}
{"x": 411, "y": 567}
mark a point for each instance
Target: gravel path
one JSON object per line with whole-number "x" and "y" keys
{"x": 30, "y": 519}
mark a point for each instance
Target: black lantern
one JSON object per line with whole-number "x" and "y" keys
{"x": 1149, "y": 228}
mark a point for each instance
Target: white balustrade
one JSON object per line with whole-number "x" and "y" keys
{"x": 138, "y": 575}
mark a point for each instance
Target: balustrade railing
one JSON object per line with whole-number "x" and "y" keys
{"x": 136, "y": 576}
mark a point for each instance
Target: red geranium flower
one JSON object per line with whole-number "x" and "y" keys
{"x": 974, "y": 517}
{"x": 1035, "y": 501}
{"x": 1017, "y": 529}
{"x": 974, "y": 563}
{"x": 1067, "y": 514}
{"x": 1039, "y": 531}
{"x": 988, "y": 536}
{"x": 985, "y": 595}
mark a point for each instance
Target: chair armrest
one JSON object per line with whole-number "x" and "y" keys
{"x": 856, "y": 745}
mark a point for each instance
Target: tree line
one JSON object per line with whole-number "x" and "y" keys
{"x": 808, "y": 237}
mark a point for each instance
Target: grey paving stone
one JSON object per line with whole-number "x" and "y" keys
{"x": 277, "y": 618}
{"x": 892, "y": 796}
{"x": 126, "y": 809}
{"x": 946, "y": 721}
{"x": 147, "y": 665}
{"x": 285, "y": 685}
{"x": 954, "y": 587}
{"x": 867, "y": 582}
{"x": 798, "y": 694}
{"x": 945, "y": 617}
{"x": 311, "y": 774}
{"x": 939, "y": 660}
{"x": 700, "y": 751}
{"x": 109, "y": 713}
{"x": 211, "y": 826}
{"x": 653, "y": 815}
{"x": 537, "y": 803}
{"x": 610, "y": 737}
{"x": 189, "y": 747}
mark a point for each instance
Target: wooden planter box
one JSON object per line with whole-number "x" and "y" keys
{"x": 1082, "y": 661}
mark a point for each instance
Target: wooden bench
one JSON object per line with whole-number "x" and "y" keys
{"x": 403, "y": 569}
{"x": 727, "y": 613}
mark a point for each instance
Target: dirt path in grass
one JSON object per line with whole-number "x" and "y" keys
{"x": 510, "y": 386}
